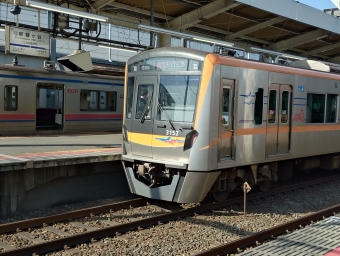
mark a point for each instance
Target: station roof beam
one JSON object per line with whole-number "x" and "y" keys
{"x": 202, "y": 13}
{"x": 299, "y": 40}
{"x": 101, "y": 3}
{"x": 255, "y": 28}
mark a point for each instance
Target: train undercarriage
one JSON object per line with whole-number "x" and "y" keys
{"x": 230, "y": 179}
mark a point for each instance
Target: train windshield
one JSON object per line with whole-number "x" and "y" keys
{"x": 177, "y": 97}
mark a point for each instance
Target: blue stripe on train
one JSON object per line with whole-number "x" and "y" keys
{"x": 105, "y": 83}
{"x": 60, "y": 80}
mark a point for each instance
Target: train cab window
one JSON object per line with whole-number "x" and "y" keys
{"x": 11, "y": 98}
{"x": 129, "y": 97}
{"x": 177, "y": 98}
{"x": 284, "y": 107}
{"x": 144, "y": 101}
{"x": 315, "y": 112}
{"x": 331, "y": 108}
{"x": 272, "y": 107}
{"x": 258, "y": 110}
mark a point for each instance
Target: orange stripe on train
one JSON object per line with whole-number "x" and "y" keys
{"x": 208, "y": 68}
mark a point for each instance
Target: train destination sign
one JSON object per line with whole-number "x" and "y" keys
{"x": 27, "y": 42}
{"x": 172, "y": 65}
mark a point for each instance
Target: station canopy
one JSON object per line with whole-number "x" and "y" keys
{"x": 277, "y": 25}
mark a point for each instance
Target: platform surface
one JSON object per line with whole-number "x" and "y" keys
{"x": 321, "y": 238}
{"x": 47, "y": 151}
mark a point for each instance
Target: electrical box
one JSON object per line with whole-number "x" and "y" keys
{"x": 90, "y": 26}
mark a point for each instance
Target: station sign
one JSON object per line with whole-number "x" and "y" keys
{"x": 27, "y": 42}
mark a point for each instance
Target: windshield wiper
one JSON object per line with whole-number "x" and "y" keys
{"x": 145, "y": 111}
{"x": 167, "y": 117}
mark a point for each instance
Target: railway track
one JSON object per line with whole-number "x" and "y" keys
{"x": 94, "y": 235}
{"x": 256, "y": 239}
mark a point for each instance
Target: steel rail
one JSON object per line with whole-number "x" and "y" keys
{"x": 114, "y": 230}
{"x": 269, "y": 233}
{"x": 36, "y": 222}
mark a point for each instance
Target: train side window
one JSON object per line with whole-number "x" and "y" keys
{"x": 93, "y": 100}
{"x": 258, "y": 110}
{"x": 315, "y": 108}
{"x": 129, "y": 97}
{"x": 112, "y": 101}
{"x": 88, "y": 100}
{"x": 11, "y": 98}
{"x": 107, "y": 101}
{"x": 284, "y": 107}
{"x": 331, "y": 108}
{"x": 272, "y": 107}
{"x": 225, "y": 105}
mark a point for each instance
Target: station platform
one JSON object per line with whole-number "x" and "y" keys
{"x": 321, "y": 238}
{"x": 38, "y": 172}
{"x": 47, "y": 151}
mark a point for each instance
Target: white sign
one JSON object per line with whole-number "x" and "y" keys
{"x": 27, "y": 42}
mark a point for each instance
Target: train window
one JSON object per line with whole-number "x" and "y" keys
{"x": 258, "y": 110}
{"x": 144, "y": 101}
{"x": 177, "y": 98}
{"x": 331, "y": 108}
{"x": 272, "y": 107}
{"x": 284, "y": 107}
{"x": 92, "y": 100}
{"x": 98, "y": 101}
{"x": 129, "y": 97}
{"x": 225, "y": 105}
{"x": 107, "y": 101}
{"x": 315, "y": 108}
{"x": 11, "y": 98}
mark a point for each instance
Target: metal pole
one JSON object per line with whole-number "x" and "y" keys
{"x": 39, "y": 20}
{"x": 110, "y": 60}
{"x": 49, "y": 19}
{"x": 152, "y": 8}
{"x": 245, "y": 201}
{"x": 80, "y": 26}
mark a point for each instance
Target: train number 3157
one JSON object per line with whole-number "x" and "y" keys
{"x": 171, "y": 133}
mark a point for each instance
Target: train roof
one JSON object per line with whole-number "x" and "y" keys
{"x": 312, "y": 68}
{"x": 55, "y": 72}
{"x": 316, "y": 65}
{"x": 180, "y": 52}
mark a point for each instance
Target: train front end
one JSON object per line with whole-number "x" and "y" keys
{"x": 159, "y": 135}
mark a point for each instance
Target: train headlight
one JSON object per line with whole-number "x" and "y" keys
{"x": 190, "y": 140}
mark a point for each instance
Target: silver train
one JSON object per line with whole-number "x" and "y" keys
{"x": 48, "y": 101}
{"x": 198, "y": 123}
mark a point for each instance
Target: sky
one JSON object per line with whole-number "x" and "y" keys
{"x": 319, "y": 4}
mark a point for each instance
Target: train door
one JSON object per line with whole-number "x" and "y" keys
{"x": 226, "y": 122}
{"x": 142, "y": 122}
{"x": 278, "y": 121}
{"x": 50, "y": 106}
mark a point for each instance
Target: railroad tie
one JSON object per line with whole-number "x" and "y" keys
{"x": 6, "y": 247}
{"x": 57, "y": 231}
{"x": 28, "y": 236}
{"x": 81, "y": 225}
